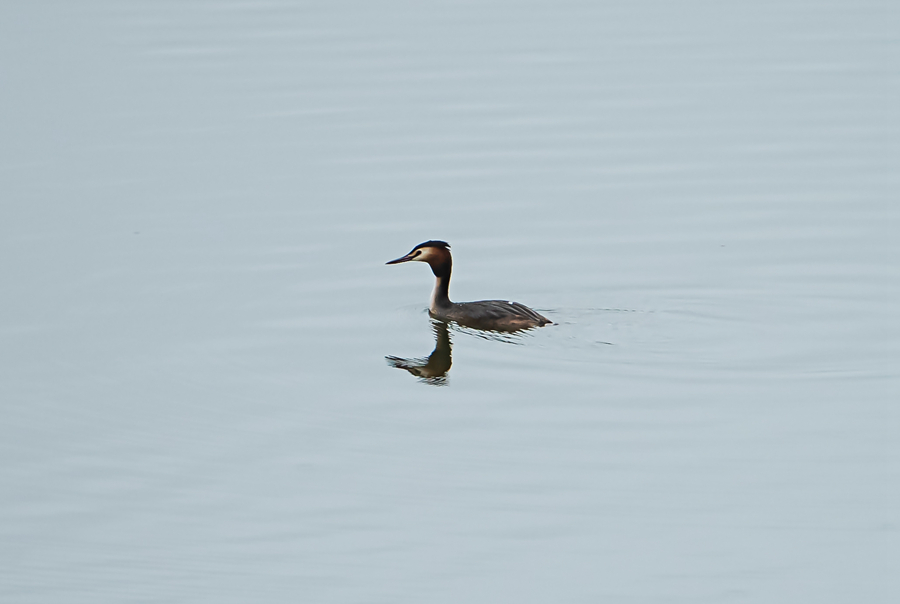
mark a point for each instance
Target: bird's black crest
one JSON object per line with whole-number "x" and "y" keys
{"x": 440, "y": 244}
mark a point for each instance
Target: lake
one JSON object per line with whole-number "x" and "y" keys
{"x": 200, "y": 338}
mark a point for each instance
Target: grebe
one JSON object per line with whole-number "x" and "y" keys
{"x": 494, "y": 315}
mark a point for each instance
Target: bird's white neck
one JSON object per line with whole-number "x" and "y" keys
{"x": 440, "y": 297}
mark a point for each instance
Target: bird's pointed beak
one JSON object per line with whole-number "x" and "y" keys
{"x": 405, "y": 258}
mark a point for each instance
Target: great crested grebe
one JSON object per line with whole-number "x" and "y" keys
{"x": 494, "y": 315}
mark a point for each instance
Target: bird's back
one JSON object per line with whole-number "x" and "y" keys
{"x": 497, "y": 315}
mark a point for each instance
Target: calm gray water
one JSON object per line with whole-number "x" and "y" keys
{"x": 198, "y": 199}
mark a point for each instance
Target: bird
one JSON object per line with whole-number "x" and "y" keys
{"x": 488, "y": 315}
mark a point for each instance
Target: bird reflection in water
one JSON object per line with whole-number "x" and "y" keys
{"x": 433, "y": 368}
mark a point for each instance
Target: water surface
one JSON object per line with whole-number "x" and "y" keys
{"x": 199, "y": 198}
